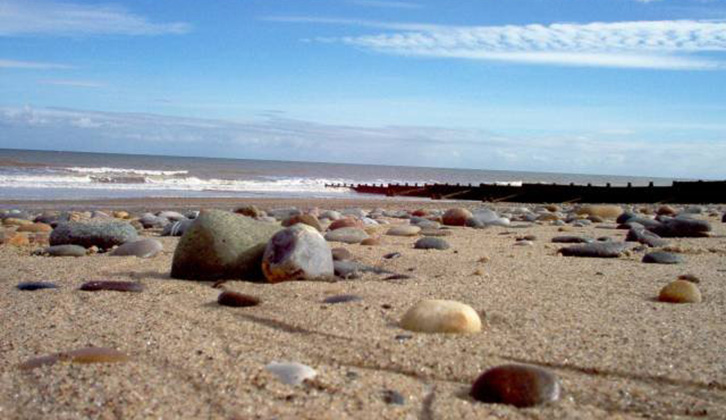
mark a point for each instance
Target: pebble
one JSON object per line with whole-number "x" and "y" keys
{"x": 341, "y": 254}
{"x": 571, "y": 240}
{"x": 682, "y": 227}
{"x": 14, "y": 221}
{"x": 307, "y": 219}
{"x": 392, "y": 397}
{"x": 517, "y": 385}
{"x": 347, "y": 222}
{"x": 661, "y": 257}
{"x": 222, "y": 244}
{"x": 456, "y": 217}
{"x": 236, "y": 299}
{"x": 595, "y": 250}
{"x": 441, "y": 316}
{"x": 291, "y": 373}
{"x": 172, "y": 215}
{"x": 342, "y": 299}
{"x": 249, "y": 211}
{"x": 117, "y": 286}
{"x": 177, "y": 228}
{"x": 680, "y": 291}
{"x": 35, "y": 228}
{"x": 645, "y": 237}
{"x": 65, "y": 251}
{"x": 149, "y": 220}
{"x": 36, "y": 285}
{"x": 666, "y": 210}
{"x": 371, "y": 241}
{"x": 103, "y": 233}
{"x": 404, "y": 230}
{"x": 604, "y": 211}
{"x": 143, "y": 248}
{"x": 83, "y": 355}
{"x": 348, "y": 235}
{"x": 524, "y": 243}
{"x": 392, "y": 255}
{"x": 429, "y": 242}
{"x": 297, "y": 253}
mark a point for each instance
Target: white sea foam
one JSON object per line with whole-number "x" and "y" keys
{"x": 105, "y": 170}
{"x": 155, "y": 183}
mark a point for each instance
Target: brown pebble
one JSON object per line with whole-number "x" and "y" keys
{"x": 18, "y": 240}
{"x": 237, "y": 300}
{"x": 680, "y": 291}
{"x": 116, "y": 286}
{"x": 484, "y": 259}
{"x": 517, "y": 385}
{"x": 371, "y": 241}
{"x": 83, "y": 355}
{"x": 341, "y": 254}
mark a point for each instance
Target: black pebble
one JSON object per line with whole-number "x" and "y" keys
{"x": 36, "y": 285}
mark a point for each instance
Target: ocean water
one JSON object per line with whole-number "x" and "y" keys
{"x": 47, "y": 175}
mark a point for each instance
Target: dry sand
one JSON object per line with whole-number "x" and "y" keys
{"x": 593, "y": 322}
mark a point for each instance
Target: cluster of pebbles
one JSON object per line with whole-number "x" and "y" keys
{"x": 289, "y": 244}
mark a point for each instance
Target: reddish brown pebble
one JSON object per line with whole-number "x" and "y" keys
{"x": 517, "y": 385}
{"x": 83, "y": 355}
{"x": 371, "y": 241}
{"x": 117, "y": 286}
{"x": 237, "y": 300}
{"x": 689, "y": 277}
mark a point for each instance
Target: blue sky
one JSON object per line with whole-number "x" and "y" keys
{"x": 627, "y": 87}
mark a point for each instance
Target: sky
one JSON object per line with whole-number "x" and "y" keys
{"x": 622, "y": 87}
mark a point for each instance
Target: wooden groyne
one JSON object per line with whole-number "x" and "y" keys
{"x": 686, "y": 192}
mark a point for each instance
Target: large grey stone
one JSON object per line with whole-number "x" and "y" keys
{"x": 297, "y": 253}
{"x": 102, "y": 233}
{"x": 221, "y": 244}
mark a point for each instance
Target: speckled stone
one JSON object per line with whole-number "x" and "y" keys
{"x": 680, "y": 291}
{"x": 103, "y": 233}
{"x": 456, "y": 217}
{"x": 517, "y": 385}
{"x": 441, "y": 316}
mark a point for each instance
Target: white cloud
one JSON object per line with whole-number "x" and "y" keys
{"x": 31, "y": 65}
{"x": 47, "y": 17}
{"x": 287, "y": 139}
{"x": 672, "y": 45}
{"x": 72, "y": 83}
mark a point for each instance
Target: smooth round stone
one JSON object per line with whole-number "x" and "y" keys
{"x": 144, "y": 248}
{"x": 604, "y": 211}
{"x": 83, "y": 355}
{"x": 342, "y": 299}
{"x": 680, "y": 291}
{"x": 65, "y": 251}
{"x": 682, "y": 227}
{"x": 249, "y": 211}
{"x": 116, "y": 286}
{"x": 297, "y": 253}
{"x": 35, "y": 228}
{"x": 36, "y": 285}
{"x": 456, "y": 217}
{"x": 348, "y": 235}
{"x": 330, "y": 215}
{"x": 103, "y": 233}
{"x": 441, "y": 316}
{"x": 149, "y": 221}
{"x": 404, "y": 230}
{"x": 121, "y": 214}
{"x": 291, "y": 373}
{"x": 426, "y": 224}
{"x": 666, "y": 210}
{"x": 429, "y": 242}
{"x": 645, "y": 237}
{"x": 341, "y": 254}
{"x": 524, "y": 243}
{"x": 172, "y": 215}
{"x": 236, "y": 300}
{"x": 661, "y": 257}
{"x": 517, "y": 385}
{"x": 371, "y": 241}
{"x": 595, "y": 250}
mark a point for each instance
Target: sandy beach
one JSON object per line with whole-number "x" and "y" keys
{"x": 595, "y": 323}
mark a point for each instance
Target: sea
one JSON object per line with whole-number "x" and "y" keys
{"x": 58, "y": 175}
